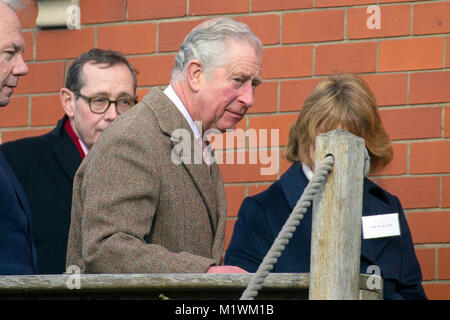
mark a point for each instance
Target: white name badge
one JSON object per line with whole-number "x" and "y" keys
{"x": 380, "y": 226}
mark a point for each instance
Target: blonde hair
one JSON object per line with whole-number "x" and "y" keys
{"x": 341, "y": 100}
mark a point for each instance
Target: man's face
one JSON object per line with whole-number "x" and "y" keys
{"x": 111, "y": 82}
{"x": 228, "y": 92}
{"x": 12, "y": 45}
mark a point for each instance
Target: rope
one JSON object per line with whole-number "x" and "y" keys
{"x": 319, "y": 178}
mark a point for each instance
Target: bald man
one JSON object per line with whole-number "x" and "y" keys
{"x": 17, "y": 252}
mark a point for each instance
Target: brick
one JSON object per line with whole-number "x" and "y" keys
{"x": 280, "y": 122}
{"x": 102, "y": 11}
{"x": 444, "y": 263}
{"x": 313, "y": 26}
{"x": 153, "y": 70}
{"x": 229, "y": 227}
{"x": 430, "y": 157}
{"x": 257, "y": 188}
{"x": 20, "y": 134}
{"x": 293, "y": 93}
{"x": 63, "y": 44}
{"x": 346, "y": 57}
{"x": 172, "y": 34}
{"x": 269, "y": 5}
{"x": 413, "y": 192}
{"x": 399, "y": 162}
{"x": 266, "y": 95}
{"x": 46, "y": 110}
{"x": 297, "y": 61}
{"x": 429, "y": 87}
{"x": 390, "y": 1}
{"x": 389, "y": 89}
{"x": 447, "y": 122}
{"x": 432, "y": 17}
{"x": 155, "y": 9}
{"x": 235, "y": 194}
{"x": 128, "y": 39}
{"x": 445, "y": 192}
{"x": 412, "y": 123}
{"x": 447, "y": 58}
{"x": 15, "y": 114}
{"x": 395, "y": 21}
{"x": 427, "y": 261}
{"x": 29, "y": 45}
{"x": 28, "y": 15}
{"x": 265, "y": 27}
{"x": 43, "y": 77}
{"x": 429, "y": 227}
{"x": 341, "y": 3}
{"x": 202, "y": 7}
{"x": 248, "y": 171}
{"x": 437, "y": 291}
{"x": 411, "y": 54}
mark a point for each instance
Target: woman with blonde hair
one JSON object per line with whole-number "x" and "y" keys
{"x": 342, "y": 101}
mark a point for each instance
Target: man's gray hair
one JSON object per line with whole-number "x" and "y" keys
{"x": 14, "y": 4}
{"x": 207, "y": 43}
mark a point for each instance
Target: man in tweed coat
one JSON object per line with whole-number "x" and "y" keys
{"x": 138, "y": 205}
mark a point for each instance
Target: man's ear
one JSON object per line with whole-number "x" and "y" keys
{"x": 195, "y": 75}
{"x": 67, "y": 98}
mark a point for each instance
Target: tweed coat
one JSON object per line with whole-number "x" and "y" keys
{"x": 134, "y": 210}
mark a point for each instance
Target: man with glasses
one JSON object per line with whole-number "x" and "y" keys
{"x": 100, "y": 85}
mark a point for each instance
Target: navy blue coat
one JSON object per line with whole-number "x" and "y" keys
{"x": 262, "y": 216}
{"x": 17, "y": 252}
{"x": 45, "y": 166}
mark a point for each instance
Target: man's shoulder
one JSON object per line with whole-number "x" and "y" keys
{"x": 139, "y": 121}
{"x": 30, "y": 144}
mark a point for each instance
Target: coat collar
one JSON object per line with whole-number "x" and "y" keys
{"x": 375, "y": 201}
{"x": 65, "y": 150}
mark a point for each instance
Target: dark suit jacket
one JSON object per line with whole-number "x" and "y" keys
{"x": 17, "y": 252}
{"x": 262, "y": 216}
{"x": 45, "y": 167}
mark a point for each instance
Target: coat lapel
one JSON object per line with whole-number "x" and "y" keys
{"x": 65, "y": 151}
{"x": 373, "y": 204}
{"x": 169, "y": 120}
{"x": 293, "y": 182}
{"x": 23, "y": 201}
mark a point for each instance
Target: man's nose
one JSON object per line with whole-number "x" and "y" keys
{"x": 111, "y": 113}
{"x": 247, "y": 94}
{"x": 20, "y": 68}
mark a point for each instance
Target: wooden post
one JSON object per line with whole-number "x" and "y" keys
{"x": 336, "y": 220}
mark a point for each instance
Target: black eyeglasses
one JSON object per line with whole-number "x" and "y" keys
{"x": 100, "y": 105}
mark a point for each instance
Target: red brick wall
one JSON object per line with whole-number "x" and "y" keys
{"x": 406, "y": 63}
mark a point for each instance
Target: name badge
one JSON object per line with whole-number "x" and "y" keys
{"x": 380, "y": 226}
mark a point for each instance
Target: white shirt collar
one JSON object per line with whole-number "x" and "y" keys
{"x": 172, "y": 95}
{"x": 307, "y": 171}
{"x": 84, "y": 147}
